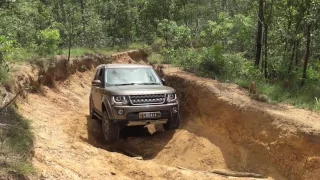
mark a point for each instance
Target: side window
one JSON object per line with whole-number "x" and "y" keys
{"x": 101, "y": 75}
{"x": 96, "y": 77}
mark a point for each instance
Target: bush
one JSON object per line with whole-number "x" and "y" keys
{"x": 173, "y": 34}
{"x": 155, "y": 58}
{"x": 48, "y": 41}
{"x": 6, "y": 47}
{"x": 4, "y": 74}
{"x": 212, "y": 62}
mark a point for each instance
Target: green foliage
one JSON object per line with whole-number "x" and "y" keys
{"x": 156, "y": 58}
{"x": 213, "y": 62}
{"x": 173, "y": 34}
{"x": 4, "y": 74}
{"x": 79, "y": 51}
{"x": 48, "y": 42}
{"x": 24, "y": 168}
{"x": 21, "y": 54}
{"x": 6, "y": 47}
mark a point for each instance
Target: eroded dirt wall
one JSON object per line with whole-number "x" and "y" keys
{"x": 271, "y": 140}
{"x": 48, "y": 71}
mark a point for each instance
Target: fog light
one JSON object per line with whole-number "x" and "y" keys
{"x": 175, "y": 109}
{"x": 120, "y": 111}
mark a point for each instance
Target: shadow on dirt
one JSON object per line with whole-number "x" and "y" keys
{"x": 16, "y": 145}
{"x": 143, "y": 141}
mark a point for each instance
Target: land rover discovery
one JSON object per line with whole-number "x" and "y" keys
{"x": 131, "y": 95}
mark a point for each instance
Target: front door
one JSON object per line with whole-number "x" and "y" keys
{"x": 99, "y": 89}
{"x": 95, "y": 91}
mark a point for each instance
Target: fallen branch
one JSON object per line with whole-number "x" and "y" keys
{"x": 225, "y": 172}
{"x": 179, "y": 167}
{"x": 5, "y": 99}
{"x": 235, "y": 173}
{"x": 4, "y": 125}
{"x": 11, "y": 101}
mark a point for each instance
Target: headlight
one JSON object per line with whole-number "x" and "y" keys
{"x": 121, "y": 99}
{"x": 171, "y": 98}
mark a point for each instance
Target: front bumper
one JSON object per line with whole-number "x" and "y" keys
{"x": 130, "y": 116}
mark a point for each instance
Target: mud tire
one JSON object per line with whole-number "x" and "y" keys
{"x": 172, "y": 124}
{"x": 111, "y": 131}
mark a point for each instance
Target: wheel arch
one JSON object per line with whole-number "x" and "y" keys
{"x": 106, "y": 106}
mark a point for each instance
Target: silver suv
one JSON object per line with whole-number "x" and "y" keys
{"x": 131, "y": 95}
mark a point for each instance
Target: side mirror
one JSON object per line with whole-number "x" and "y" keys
{"x": 96, "y": 83}
{"x": 163, "y": 81}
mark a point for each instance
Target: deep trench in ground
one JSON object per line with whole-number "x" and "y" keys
{"x": 69, "y": 143}
{"x": 64, "y": 131}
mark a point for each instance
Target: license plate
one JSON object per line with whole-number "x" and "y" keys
{"x": 149, "y": 115}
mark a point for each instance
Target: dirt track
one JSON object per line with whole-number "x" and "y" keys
{"x": 67, "y": 146}
{"x": 67, "y": 149}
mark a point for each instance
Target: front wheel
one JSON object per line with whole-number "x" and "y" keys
{"x": 174, "y": 123}
{"x": 110, "y": 129}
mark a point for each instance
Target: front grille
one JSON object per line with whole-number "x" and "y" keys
{"x": 148, "y": 99}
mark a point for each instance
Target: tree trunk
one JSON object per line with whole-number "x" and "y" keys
{"x": 292, "y": 58}
{"x": 70, "y": 42}
{"x": 259, "y": 34}
{"x": 197, "y": 23}
{"x": 83, "y": 22}
{"x": 166, "y": 36}
{"x": 307, "y": 56}
{"x": 63, "y": 13}
{"x": 297, "y": 53}
{"x": 224, "y": 4}
{"x": 185, "y": 13}
{"x": 265, "y": 50}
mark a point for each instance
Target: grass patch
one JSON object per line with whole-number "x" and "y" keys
{"x": 4, "y": 74}
{"x": 307, "y": 97}
{"x": 16, "y": 144}
{"x": 80, "y": 51}
{"x": 23, "y": 168}
{"x": 156, "y": 58}
{"x": 21, "y": 54}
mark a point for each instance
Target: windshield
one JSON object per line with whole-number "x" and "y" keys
{"x": 131, "y": 76}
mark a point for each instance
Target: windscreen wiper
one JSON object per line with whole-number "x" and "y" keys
{"x": 126, "y": 84}
{"x": 148, "y": 84}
